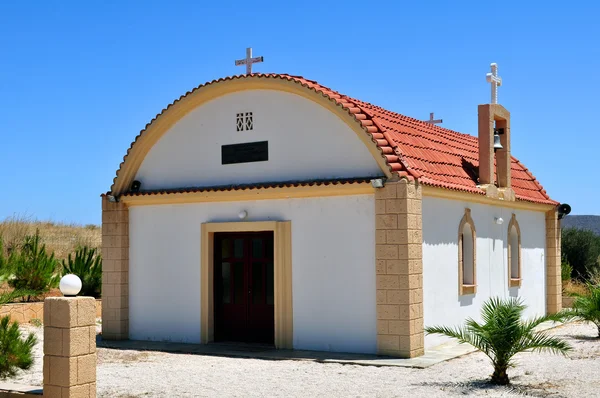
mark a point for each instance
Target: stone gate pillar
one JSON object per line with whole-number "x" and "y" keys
{"x": 70, "y": 347}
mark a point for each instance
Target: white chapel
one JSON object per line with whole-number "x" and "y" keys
{"x": 285, "y": 213}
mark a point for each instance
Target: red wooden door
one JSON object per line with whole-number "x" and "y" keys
{"x": 244, "y": 287}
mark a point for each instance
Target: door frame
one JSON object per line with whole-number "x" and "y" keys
{"x": 282, "y": 275}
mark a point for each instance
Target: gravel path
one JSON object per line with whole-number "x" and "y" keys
{"x": 155, "y": 374}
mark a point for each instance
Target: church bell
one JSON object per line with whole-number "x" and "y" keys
{"x": 497, "y": 144}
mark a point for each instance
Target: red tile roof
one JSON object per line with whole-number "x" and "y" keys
{"x": 412, "y": 148}
{"x": 434, "y": 155}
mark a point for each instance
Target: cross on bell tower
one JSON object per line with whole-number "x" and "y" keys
{"x": 248, "y": 61}
{"x": 494, "y": 144}
{"x": 495, "y": 81}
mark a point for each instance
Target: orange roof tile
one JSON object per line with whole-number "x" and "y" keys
{"x": 412, "y": 148}
{"x": 434, "y": 155}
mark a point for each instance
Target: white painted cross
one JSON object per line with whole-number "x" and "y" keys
{"x": 248, "y": 61}
{"x": 495, "y": 81}
{"x": 432, "y": 120}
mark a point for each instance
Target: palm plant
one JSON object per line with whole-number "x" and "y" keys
{"x": 503, "y": 334}
{"x": 587, "y": 308}
{"x": 87, "y": 265}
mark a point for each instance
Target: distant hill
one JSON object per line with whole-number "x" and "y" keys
{"x": 582, "y": 222}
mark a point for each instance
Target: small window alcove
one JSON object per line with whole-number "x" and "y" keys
{"x": 467, "y": 283}
{"x": 514, "y": 253}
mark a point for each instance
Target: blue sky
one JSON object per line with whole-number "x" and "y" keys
{"x": 79, "y": 80}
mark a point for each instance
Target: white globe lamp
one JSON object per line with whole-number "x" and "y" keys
{"x": 70, "y": 285}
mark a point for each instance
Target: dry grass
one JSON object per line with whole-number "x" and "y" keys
{"x": 59, "y": 238}
{"x": 574, "y": 287}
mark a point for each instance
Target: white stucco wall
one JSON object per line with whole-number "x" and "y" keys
{"x": 442, "y": 304}
{"x": 333, "y": 266}
{"x": 306, "y": 141}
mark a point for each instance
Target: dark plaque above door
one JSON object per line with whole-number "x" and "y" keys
{"x": 245, "y": 153}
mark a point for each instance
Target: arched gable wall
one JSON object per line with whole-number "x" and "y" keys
{"x": 305, "y": 142}
{"x": 156, "y": 129}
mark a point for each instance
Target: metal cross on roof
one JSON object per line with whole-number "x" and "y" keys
{"x": 432, "y": 120}
{"x": 495, "y": 81}
{"x": 248, "y": 61}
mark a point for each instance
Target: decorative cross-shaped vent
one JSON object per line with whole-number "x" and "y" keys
{"x": 244, "y": 121}
{"x": 249, "y": 122}
{"x": 240, "y": 121}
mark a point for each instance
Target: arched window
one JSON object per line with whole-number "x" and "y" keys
{"x": 514, "y": 253}
{"x": 467, "y": 275}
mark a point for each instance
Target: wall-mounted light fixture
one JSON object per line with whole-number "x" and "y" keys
{"x": 377, "y": 183}
{"x": 563, "y": 210}
{"x": 135, "y": 186}
{"x": 243, "y": 214}
{"x": 498, "y": 220}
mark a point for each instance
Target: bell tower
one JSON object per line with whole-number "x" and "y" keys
{"x": 494, "y": 144}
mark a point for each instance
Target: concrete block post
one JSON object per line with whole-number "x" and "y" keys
{"x": 115, "y": 270}
{"x": 69, "y": 347}
{"x": 553, "y": 263}
{"x": 399, "y": 260}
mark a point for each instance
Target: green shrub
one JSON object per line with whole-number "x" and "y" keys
{"x": 566, "y": 271}
{"x": 15, "y": 351}
{"x": 503, "y": 334}
{"x": 31, "y": 268}
{"x": 12, "y": 296}
{"x": 87, "y": 265}
{"x": 595, "y": 276}
{"x": 587, "y": 307}
{"x": 581, "y": 249}
{"x": 3, "y": 258}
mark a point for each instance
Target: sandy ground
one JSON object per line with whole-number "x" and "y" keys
{"x": 155, "y": 374}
